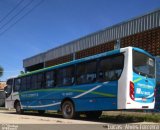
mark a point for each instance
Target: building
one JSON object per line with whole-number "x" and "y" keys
{"x": 2, "y": 93}
{"x": 2, "y": 85}
{"x": 142, "y": 32}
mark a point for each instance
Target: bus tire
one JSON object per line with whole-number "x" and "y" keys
{"x": 18, "y": 108}
{"x": 68, "y": 110}
{"x": 93, "y": 114}
{"x": 41, "y": 112}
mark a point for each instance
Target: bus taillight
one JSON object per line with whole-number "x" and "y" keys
{"x": 132, "y": 90}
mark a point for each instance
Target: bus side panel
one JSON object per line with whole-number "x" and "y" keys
{"x": 95, "y": 104}
{"x": 126, "y": 77}
{"x": 101, "y": 96}
{"x": 41, "y": 105}
{"x": 10, "y": 101}
{"x": 9, "y": 104}
{"x": 40, "y": 100}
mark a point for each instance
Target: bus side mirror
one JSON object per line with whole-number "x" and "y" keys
{"x": 7, "y": 94}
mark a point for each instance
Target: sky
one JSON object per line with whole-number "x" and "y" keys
{"x": 35, "y": 26}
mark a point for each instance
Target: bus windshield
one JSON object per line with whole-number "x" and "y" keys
{"x": 8, "y": 88}
{"x": 143, "y": 64}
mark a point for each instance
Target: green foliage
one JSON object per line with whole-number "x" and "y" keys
{"x": 124, "y": 118}
{"x": 21, "y": 72}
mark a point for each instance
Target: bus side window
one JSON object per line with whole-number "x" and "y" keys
{"x": 17, "y": 85}
{"x": 110, "y": 68}
{"x": 65, "y": 76}
{"x": 104, "y": 67}
{"x": 81, "y": 76}
{"x": 8, "y": 88}
{"x": 118, "y": 63}
{"x": 86, "y": 72}
{"x": 68, "y": 75}
{"x": 91, "y": 71}
{"x": 50, "y": 79}
{"x": 23, "y": 84}
{"x": 34, "y": 82}
{"x": 28, "y": 82}
{"x": 40, "y": 80}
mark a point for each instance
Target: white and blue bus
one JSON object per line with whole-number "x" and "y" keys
{"x": 115, "y": 80}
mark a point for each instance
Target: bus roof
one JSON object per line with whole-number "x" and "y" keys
{"x": 108, "y": 53}
{"x": 143, "y": 51}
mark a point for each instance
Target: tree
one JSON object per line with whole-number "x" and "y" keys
{"x": 1, "y": 71}
{"x": 21, "y": 72}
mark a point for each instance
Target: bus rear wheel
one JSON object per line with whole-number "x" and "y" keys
{"x": 93, "y": 114}
{"x": 18, "y": 108}
{"x": 68, "y": 110}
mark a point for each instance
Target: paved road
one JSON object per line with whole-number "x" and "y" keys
{"x": 32, "y": 121}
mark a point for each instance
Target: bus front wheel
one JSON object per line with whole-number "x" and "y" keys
{"x": 68, "y": 110}
{"x": 18, "y": 108}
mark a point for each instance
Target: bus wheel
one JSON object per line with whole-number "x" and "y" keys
{"x": 18, "y": 108}
{"x": 68, "y": 110}
{"x": 41, "y": 112}
{"x": 93, "y": 114}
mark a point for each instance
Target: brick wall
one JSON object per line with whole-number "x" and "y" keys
{"x": 148, "y": 40}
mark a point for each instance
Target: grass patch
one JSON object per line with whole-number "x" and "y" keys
{"x": 123, "y": 118}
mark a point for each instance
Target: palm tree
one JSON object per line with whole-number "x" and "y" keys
{"x": 1, "y": 71}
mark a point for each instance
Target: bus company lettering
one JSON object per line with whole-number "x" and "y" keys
{"x": 30, "y": 95}
{"x": 139, "y": 91}
{"x": 145, "y": 86}
{"x": 67, "y": 94}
